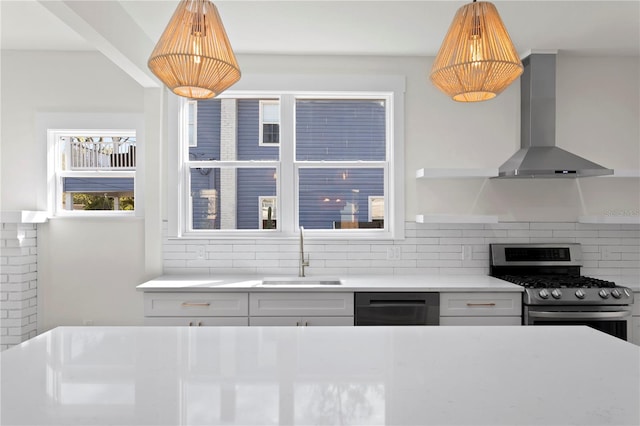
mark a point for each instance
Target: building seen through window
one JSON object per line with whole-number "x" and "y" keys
{"x": 339, "y": 163}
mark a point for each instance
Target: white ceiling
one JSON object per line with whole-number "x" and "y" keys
{"x": 344, "y": 27}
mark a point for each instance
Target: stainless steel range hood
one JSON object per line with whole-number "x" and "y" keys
{"x": 539, "y": 157}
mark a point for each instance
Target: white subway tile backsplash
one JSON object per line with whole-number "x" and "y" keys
{"x": 518, "y": 233}
{"x": 427, "y": 249}
{"x": 496, "y": 233}
{"x": 552, "y": 225}
{"x": 552, "y": 240}
{"x": 563, "y": 233}
{"x": 618, "y": 234}
{"x": 18, "y": 283}
{"x": 507, "y": 225}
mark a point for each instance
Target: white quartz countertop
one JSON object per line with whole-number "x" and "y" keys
{"x": 321, "y": 376}
{"x": 453, "y": 283}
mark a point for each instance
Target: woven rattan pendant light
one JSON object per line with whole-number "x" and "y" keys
{"x": 477, "y": 59}
{"x": 193, "y": 56}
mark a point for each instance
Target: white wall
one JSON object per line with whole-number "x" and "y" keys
{"x": 88, "y": 269}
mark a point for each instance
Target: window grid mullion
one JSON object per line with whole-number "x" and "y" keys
{"x": 288, "y": 180}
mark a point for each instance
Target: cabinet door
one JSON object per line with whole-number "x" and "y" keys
{"x": 480, "y": 321}
{"x": 301, "y": 321}
{"x": 275, "y": 321}
{"x": 326, "y": 321}
{"x": 196, "y": 322}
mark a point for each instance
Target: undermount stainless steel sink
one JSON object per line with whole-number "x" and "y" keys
{"x": 301, "y": 281}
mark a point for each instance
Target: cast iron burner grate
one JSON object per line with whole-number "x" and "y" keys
{"x": 558, "y": 281}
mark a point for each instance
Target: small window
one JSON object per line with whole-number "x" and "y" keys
{"x": 269, "y": 122}
{"x": 94, "y": 171}
{"x": 376, "y": 207}
{"x": 267, "y": 206}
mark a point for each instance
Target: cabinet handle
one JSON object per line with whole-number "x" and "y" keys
{"x": 481, "y": 304}
{"x": 187, "y": 304}
{"x": 190, "y": 323}
{"x": 199, "y": 323}
{"x": 306, "y": 323}
{"x": 297, "y": 323}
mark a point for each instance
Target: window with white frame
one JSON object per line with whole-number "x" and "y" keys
{"x": 93, "y": 171}
{"x": 269, "y": 125}
{"x": 333, "y": 156}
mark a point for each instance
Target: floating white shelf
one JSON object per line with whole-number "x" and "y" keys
{"x": 455, "y": 218}
{"x": 455, "y": 173}
{"x": 23, "y": 216}
{"x": 610, "y": 219}
{"x": 624, "y": 173}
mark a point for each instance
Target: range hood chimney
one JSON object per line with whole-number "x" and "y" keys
{"x": 539, "y": 157}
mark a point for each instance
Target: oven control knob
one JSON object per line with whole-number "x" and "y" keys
{"x": 544, "y": 294}
{"x": 580, "y": 294}
{"x": 626, "y": 293}
{"x": 557, "y": 294}
{"x": 616, "y": 293}
{"x": 604, "y": 294}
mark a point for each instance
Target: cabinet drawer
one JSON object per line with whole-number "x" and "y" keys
{"x": 301, "y": 304}
{"x": 197, "y": 322}
{"x": 480, "y": 321}
{"x": 301, "y": 321}
{"x": 196, "y": 304}
{"x": 480, "y": 304}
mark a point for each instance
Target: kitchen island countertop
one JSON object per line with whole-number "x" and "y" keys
{"x": 324, "y": 375}
{"x": 350, "y": 283}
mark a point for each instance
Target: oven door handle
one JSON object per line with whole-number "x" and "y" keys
{"x": 580, "y": 315}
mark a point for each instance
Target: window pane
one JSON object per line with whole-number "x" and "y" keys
{"x": 340, "y": 129}
{"x": 229, "y": 130}
{"x": 98, "y": 194}
{"x": 339, "y": 198}
{"x": 270, "y": 133}
{"x": 207, "y": 131}
{"x": 229, "y": 198}
{"x": 98, "y": 153}
{"x": 271, "y": 112}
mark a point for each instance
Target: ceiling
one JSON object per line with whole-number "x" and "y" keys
{"x": 329, "y": 27}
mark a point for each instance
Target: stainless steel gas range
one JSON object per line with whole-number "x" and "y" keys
{"x": 554, "y": 291}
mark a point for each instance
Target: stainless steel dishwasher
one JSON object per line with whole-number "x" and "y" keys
{"x": 397, "y": 308}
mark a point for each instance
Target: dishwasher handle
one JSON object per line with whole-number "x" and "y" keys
{"x": 389, "y": 303}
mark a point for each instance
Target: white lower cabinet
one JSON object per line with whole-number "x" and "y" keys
{"x": 301, "y": 309}
{"x": 481, "y": 308}
{"x": 196, "y": 309}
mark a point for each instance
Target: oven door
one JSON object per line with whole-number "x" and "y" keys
{"x": 613, "y": 320}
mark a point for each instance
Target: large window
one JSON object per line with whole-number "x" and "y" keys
{"x": 93, "y": 171}
{"x": 320, "y": 160}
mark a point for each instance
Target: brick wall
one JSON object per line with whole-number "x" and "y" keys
{"x": 18, "y": 283}
{"x": 610, "y": 251}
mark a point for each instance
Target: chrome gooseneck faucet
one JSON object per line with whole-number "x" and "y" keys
{"x": 303, "y": 262}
